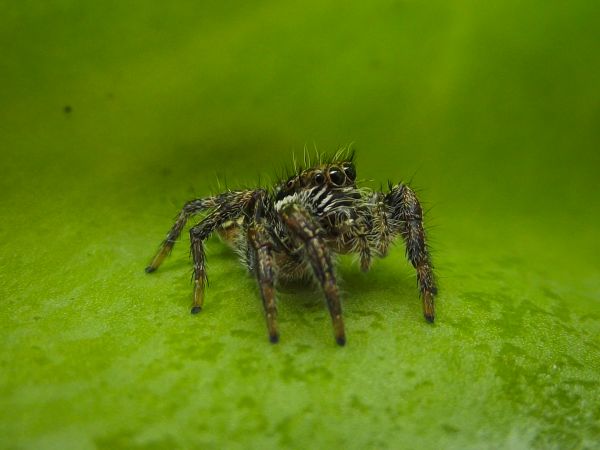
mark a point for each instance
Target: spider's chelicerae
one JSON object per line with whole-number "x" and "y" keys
{"x": 295, "y": 230}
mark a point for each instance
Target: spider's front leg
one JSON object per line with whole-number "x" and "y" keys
{"x": 306, "y": 232}
{"x": 406, "y": 214}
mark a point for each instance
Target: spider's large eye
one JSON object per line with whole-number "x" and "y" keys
{"x": 319, "y": 178}
{"x": 336, "y": 176}
{"x": 350, "y": 171}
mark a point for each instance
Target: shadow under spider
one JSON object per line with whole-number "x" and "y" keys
{"x": 387, "y": 280}
{"x": 389, "y": 283}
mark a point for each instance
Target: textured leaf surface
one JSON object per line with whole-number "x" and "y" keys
{"x": 113, "y": 114}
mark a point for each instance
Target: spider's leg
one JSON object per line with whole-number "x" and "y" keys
{"x": 307, "y": 233}
{"x": 227, "y": 202}
{"x": 190, "y": 208}
{"x": 407, "y": 215}
{"x": 229, "y": 209}
{"x": 259, "y": 257}
{"x": 198, "y": 234}
{"x": 260, "y": 245}
{"x": 230, "y": 206}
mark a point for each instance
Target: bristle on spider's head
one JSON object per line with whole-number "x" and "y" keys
{"x": 345, "y": 154}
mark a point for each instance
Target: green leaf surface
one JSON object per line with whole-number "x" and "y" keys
{"x": 113, "y": 114}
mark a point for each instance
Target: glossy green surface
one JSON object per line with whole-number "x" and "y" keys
{"x": 112, "y": 114}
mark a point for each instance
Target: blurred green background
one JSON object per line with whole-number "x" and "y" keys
{"x": 113, "y": 114}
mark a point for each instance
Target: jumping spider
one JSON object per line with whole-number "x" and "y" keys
{"x": 294, "y": 231}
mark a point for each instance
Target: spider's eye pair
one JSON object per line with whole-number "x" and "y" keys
{"x": 338, "y": 176}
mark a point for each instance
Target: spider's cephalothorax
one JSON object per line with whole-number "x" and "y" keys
{"x": 295, "y": 230}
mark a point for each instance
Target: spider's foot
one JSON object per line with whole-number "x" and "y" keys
{"x": 150, "y": 269}
{"x": 272, "y": 326}
{"x": 338, "y": 330}
{"x": 198, "y": 296}
{"x": 428, "y": 308}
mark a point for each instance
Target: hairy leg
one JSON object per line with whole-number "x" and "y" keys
{"x": 226, "y": 207}
{"x": 259, "y": 257}
{"x": 265, "y": 270}
{"x": 306, "y": 233}
{"x": 189, "y": 209}
{"x": 407, "y": 215}
{"x": 198, "y": 234}
{"x": 225, "y": 202}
